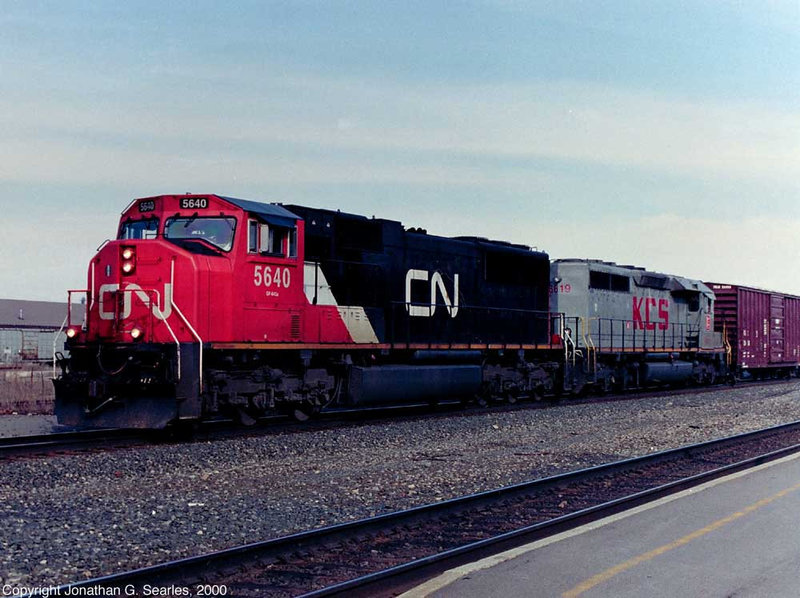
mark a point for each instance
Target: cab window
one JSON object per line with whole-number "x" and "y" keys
{"x": 194, "y": 232}
{"x": 139, "y": 229}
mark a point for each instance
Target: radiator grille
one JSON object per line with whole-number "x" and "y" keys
{"x": 294, "y": 326}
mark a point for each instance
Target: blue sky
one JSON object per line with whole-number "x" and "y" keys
{"x": 665, "y": 134}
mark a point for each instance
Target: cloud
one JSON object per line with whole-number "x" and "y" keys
{"x": 318, "y": 130}
{"x": 44, "y": 254}
{"x": 502, "y": 161}
{"x": 751, "y": 251}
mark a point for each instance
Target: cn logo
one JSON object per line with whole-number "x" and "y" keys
{"x": 436, "y": 283}
{"x": 106, "y": 304}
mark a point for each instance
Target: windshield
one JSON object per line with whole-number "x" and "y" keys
{"x": 215, "y": 231}
{"x": 139, "y": 229}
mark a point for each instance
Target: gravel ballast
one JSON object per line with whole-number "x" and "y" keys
{"x": 72, "y": 517}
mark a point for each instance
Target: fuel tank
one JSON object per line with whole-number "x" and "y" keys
{"x": 666, "y": 372}
{"x": 397, "y": 384}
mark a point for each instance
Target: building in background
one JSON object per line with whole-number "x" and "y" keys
{"x": 29, "y": 330}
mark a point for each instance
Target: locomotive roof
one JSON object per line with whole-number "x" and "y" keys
{"x": 465, "y": 240}
{"x": 272, "y": 213}
{"x": 643, "y": 277}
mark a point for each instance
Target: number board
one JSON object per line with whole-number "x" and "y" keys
{"x": 147, "y": 205}
{"x": 194, "y": 203}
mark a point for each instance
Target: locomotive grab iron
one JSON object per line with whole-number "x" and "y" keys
{"x": 207, "y": 305}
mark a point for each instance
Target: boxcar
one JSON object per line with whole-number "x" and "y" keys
{"x": 761, "y": 329}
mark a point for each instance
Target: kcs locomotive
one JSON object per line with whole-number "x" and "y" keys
{"x": 207, "y": 306}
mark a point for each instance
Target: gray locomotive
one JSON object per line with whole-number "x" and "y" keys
{"x": 630, "y": 327}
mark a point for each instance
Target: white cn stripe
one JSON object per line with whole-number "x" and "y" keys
{"x": 354, "y": 317}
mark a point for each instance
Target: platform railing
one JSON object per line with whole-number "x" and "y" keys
{"x": 606, "y": 334}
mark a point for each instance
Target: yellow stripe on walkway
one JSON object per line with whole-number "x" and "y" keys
{"x": 647, "y": 556}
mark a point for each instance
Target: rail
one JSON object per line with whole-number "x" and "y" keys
{"x": 39, "y": 444}
{"x": 314, "y": 555}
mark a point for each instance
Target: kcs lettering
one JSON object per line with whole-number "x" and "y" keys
{"x": 649, "y": 305}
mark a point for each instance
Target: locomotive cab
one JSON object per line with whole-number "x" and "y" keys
{"x": 161, "y": 292}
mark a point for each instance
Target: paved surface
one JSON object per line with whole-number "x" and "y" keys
{"x": 738, "y": 536}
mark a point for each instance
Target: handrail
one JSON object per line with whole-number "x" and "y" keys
{"x": 562, "y": 322}
{"x": 727, "y": 345}
{"x": 185, "y": 321}
{"x": 55, "y": 340}
{"x": 591, "y": 348}
{"x": 677, "y": 336}
{"x": 568, "y": 341}
{"x": 486, "y": 308}
{"x": 90, "y": 301}
{"x": 166, "y": 323}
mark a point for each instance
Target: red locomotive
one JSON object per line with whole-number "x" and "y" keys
{"x": 207, "y": 305}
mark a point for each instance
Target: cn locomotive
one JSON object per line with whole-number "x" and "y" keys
{"x": 207, "y": 306}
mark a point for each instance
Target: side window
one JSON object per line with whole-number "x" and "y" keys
{"x": 609, "y": 282}
{"x": 265, "y": 239}
{"x": 599, "y": 280}
{"x": 267, "y": 244}
{"x": 252, "y": 236}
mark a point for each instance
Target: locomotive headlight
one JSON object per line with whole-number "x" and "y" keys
{"x": 72, "y": 332}
{"x": 127, "y": 267}
{"x": 127, "y": 253}
{"x": 136, "y": 333}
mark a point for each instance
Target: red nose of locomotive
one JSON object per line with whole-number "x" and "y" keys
{"x": 130, "y": 293}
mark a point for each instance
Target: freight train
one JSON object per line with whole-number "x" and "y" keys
{"x": 206, "y": 306}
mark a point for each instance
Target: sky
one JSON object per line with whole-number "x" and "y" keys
{"x": 662, "y": 134}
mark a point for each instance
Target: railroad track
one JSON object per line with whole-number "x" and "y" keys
{"x": 62, "y": 442}
{"x": 44, "y": 445}
{"x": 392, "y": 552}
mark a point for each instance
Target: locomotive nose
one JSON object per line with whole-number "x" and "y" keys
{"x": 130, "y": 288}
